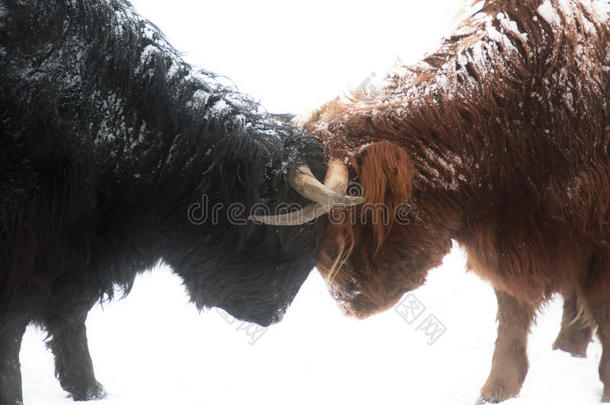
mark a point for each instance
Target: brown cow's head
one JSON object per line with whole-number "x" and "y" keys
{"x": 374, "y": 252}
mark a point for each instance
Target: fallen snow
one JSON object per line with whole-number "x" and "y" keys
{"x": 602, "y": 7}
{"x": 548, "y": 13}
{"x": 155, "y": 348}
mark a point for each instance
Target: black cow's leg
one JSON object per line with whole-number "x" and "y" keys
{"x": 575, "y": 333}
{"x": 509, "y": 365}
{"x": 12, "y": 329}
{"x": 68, "y": 341}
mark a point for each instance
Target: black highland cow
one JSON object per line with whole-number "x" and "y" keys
{"x": 106, "y": 139}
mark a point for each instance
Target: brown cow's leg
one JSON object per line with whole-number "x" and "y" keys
{"x": 575, "y": 334}
{"x": 12, "y": 329}
{"x": 509, "y": 365}
{"x": 601, "y": 313}
{"x": 73, "y": 365}
{"x": 597, "y": 301}
{"x": 604, "y": 363}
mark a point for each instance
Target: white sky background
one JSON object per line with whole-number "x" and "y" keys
{"x": 154, "y": 347}
{"x": 294, "y": 56}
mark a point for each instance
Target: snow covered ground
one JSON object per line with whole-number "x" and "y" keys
{"x": 155, "y": 348}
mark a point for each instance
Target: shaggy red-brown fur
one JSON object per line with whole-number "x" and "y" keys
{"x": 500, "y": 141}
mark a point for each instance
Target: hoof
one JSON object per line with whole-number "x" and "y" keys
{"x": 495, "y": 393}
{"x": 576, "y": 350}
{"x": 92, "y": 393}
{"x": 484, "y": 401}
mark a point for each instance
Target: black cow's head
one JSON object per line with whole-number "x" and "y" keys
{"x": 226, "y": 256}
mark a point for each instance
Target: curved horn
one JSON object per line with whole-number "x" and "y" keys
{"x": 337, "y": 176}
{"x": 335, "y": 182}
{"x": 305, "y": 214}
{"x": 303, "y": 181}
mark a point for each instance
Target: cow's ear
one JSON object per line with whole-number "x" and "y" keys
{"x": 386, "y": 173}
{"x": 386, "y": 176}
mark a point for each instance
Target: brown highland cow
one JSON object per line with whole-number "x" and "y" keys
{"x": 500, "y": 141}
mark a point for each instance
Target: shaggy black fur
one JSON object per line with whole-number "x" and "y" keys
{"x": 106, "y": 139}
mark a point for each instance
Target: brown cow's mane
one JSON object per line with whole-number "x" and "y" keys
{"x": 499, "y": 140}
